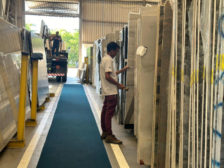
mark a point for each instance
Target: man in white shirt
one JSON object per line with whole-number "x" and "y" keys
{"x": 110, "y": 88}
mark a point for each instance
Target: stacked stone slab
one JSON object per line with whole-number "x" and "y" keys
{"x": 190, "y": 120}
{"x": 148, "y": 36}
{"x": 132, "y": 46}
{"x": 10, "y": 63}
{"x": 177, "y": 86}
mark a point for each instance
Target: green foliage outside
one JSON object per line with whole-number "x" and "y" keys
{"x": 28, "y": 26}
{"x": 71, "y": 40}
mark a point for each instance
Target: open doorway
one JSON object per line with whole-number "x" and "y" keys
{"x": 62, "y": 18}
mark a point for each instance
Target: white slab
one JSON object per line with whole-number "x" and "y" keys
{"x": 148, "y": 37}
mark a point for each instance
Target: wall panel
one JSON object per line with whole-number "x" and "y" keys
{"x": 102, "y": 17}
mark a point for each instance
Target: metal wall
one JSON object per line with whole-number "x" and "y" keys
{"x": 102, "y": 17}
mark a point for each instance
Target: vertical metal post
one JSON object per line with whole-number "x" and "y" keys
{"x": 20, "y": 141}
{"x": 22, "y": 102}
{"x": 32, "y": 121}
{"x": 87, "y": 69}
{"x": 20, "y": 11}
{"x": 34, "y": 90}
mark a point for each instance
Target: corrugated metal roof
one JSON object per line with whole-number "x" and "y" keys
{"x": 62, "y": 9}
{"x": 54, "y": 0}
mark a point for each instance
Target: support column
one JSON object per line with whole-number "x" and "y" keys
{"x": 20, "y": 10}
{"x": 19, "y": 142}
{"x": 32, "y": 122}
{"x": 80, "y": 33}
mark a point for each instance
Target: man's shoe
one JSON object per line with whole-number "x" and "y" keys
{"x": 104, "y": 135}
{"x": 112, "y": 139}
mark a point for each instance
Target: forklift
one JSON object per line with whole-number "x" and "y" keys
{"x": 57, "y": 62}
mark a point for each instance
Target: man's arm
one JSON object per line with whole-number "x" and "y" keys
{"x": 122, "y": 70}
{"x": 111, "y": 80}
{"x": 51, "y": 37}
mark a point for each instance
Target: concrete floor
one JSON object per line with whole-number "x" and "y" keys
{"x": 10, "y": 158}
{"x": 129, "y": 146}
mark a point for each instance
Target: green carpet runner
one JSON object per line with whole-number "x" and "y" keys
{"x": 73, "y": 140}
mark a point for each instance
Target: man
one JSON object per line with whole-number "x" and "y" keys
{"x": 56, "y": 43}
{"x": 110, "y": 88}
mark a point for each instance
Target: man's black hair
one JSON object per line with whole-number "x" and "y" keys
{"x": 112, "y": 46}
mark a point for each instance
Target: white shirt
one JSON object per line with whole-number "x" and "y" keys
{"x": 108, "y": 65}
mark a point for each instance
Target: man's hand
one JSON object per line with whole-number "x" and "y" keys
{"x": 126, "y": 67}
{"x": 120, "y": 86}
{"x": 123, "y": 70}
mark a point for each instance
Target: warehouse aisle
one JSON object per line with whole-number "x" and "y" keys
{"x": 42, "y": 144}
{"x": 73, "y": 139}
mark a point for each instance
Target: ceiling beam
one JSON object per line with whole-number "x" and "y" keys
{"x": 41, "y": 7}
{"x": 140, "y": 2}
{"x": 52, "y": 14}
{"x": 108, "y": 1}
{"x": 104, "y": 22}
{"x": 54, "y": 1}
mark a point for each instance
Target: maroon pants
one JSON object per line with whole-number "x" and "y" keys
{"x": 108, "y": 110}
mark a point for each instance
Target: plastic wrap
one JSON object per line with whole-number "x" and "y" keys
{"x": 9, "y": 102}
{"x": 122, "y": 77}
{"x": 10, "y": 64}
{"x": 7, "y": 112}
{"x": 9, "y": 35}
{"x": 101, "y": 51}
{"x": 94, "y": 64}
{"x": 43, "y": 90}
{"x": 98, "y": 61}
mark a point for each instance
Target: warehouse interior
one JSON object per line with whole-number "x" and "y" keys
{"x": 167, "y": 111}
